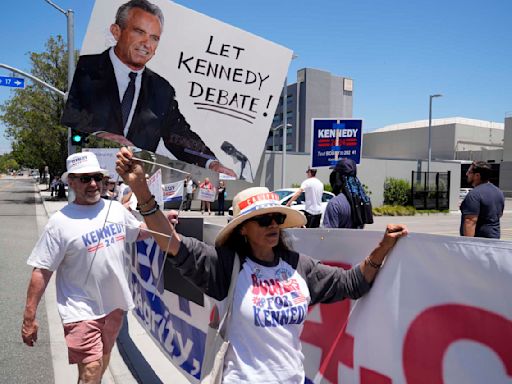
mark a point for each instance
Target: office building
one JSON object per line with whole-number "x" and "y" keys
{"x": 316, "y": 94}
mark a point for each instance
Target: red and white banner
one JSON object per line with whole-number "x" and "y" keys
{"x": 439, "y": 311}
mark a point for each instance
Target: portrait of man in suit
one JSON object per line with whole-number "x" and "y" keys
{"x": 115, "y": 92}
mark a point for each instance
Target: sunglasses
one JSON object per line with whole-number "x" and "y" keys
{"x": 87, "y": 178}
{"x": 266, "y": 220}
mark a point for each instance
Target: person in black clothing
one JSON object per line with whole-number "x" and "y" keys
{"x": 483, "y": 206}
{"x": 221, "y": 198}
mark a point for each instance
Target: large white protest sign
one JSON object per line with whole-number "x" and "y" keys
{"x": 227, "y": 83}
{"x": 438, "y": 312}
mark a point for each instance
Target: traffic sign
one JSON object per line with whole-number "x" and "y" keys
{"x": 13, "y": 82}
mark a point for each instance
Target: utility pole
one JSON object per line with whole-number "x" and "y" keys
{"x": 70, "y": 16}
{"x": 430, "y": 131}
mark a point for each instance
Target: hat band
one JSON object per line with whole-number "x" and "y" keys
{"x": 259, "y": 205}
{"x": 255, "y": 198}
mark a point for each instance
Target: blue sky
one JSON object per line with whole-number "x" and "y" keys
{"x": 398, "y": 52}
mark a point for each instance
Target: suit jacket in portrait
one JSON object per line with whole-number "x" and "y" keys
{"x": 93, "y": 105}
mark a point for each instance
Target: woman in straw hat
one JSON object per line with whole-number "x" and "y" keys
{"x": 275, "y": 285}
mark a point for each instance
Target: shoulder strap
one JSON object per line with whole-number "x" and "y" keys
{"x": 229, "y": 298}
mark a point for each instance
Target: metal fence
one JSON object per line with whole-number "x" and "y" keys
{"x": 430, "y": 190}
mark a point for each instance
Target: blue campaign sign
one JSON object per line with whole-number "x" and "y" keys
{"x": 333, "y": 139}
{"x": 14, "y": 82}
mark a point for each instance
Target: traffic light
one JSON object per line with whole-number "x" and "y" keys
{"x": 78, "y": 138}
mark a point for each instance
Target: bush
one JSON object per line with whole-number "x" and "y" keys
{"x": 394, "y": 210}
{"x": 397, "y": 192}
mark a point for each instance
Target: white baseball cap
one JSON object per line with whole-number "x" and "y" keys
{"x": 83, "y": 162}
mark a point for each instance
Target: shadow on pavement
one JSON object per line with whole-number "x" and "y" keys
{"x": 133, "y": 358}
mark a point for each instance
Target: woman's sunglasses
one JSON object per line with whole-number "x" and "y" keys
{"x": 266, "y": 220}
{"x": 87, "y": 178}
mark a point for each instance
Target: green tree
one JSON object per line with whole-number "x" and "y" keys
{"x": 7, "y": 163}
{"x": 32, "y": 115}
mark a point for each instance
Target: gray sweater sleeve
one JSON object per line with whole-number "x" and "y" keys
{"x": 328, "y": 284}
{"x": 209, "y": 268}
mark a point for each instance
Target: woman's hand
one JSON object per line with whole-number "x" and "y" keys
{"x": 372, "y": 263}
{"x": 392, "y": 234}
{"x": 130, "y": 170}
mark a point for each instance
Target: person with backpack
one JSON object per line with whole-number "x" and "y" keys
{"x": 338, "y": 213}
{"x": 343, "y": 180}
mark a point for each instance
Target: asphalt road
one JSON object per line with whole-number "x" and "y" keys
{"x": 18, "y": 234}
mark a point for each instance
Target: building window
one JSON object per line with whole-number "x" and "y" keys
{"x": 288, "y": 147}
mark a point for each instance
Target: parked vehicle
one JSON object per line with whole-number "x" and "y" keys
{"x": 299, "y": 204}
{"x": 463, "y": 192}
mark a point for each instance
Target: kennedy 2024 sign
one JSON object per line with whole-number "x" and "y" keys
{"x": 333, "y": 139}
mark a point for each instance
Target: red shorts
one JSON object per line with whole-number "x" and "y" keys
{"x": 89, "y": 340}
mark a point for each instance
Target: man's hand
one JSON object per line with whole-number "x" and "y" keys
{"x": 294, "y": 197}
{"x": 29, "y": 331}
{"x": 218, "y": 167}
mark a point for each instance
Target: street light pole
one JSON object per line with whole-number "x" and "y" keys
{"x": 430, "y": 131}
{"x": 276, "y": 128}
{"x": 70, "y": 16}
{"x": 285, "y": 125}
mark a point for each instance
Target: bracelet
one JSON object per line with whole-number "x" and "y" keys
{"x": 372, "y": 264}
{"x": 141, "y": 206}
{"x": 153, "y": 210}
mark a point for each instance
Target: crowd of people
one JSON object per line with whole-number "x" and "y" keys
{"x": 84, "y": 243}
{"x": 93, "y": 293}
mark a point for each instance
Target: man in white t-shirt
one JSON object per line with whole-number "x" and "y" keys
{"x": 313, "y": 189}
{"x": 86, "y": 249}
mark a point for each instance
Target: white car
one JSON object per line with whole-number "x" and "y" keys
{"x": 463, "y": 193}
{"x": 299, "y": 204}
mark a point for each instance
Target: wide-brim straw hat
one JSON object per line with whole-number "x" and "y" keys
{"x": 83, "y": 162}
{"x": 258, "y": 201}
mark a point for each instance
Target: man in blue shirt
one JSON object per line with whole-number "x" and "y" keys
{"x": 483, "y": 206}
